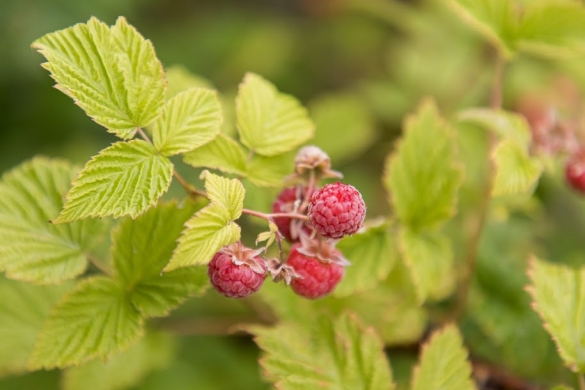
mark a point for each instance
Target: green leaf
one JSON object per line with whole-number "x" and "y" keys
{"x": 123, "y": 179}
{"x": 339, "y": 354}
{"x": 143, "y": 247}
{"x": 189, "y": 120}
{"x": 506, "y": 124}
{"x": 270, "y": 122}
{"x": 558, "y": 293}
{"x": 223, "y": 153}
{"x": 125, "y": 370}
{"x": 24, "y": 308}
{"x": 213, "y": 227}
{"x": 111, "y": 73}
{"x": 516, "y": 171}
{"x": 443, "y": 364}
{"x": 371, "y": 256}
{"x": 32, "y": 249}
{"x": 423, "y": 175}
{"x": 430, "y": 260}
{"x": 94, "y": 320}
{"x": 179, "y": 79}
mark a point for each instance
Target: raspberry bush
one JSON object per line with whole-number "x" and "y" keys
{"x": 433, "y": 277}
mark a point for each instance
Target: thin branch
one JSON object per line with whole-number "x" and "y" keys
{"x": 143, "y": 135}
{"x": 189, "y": 189}
{"x": 269, "y": 217}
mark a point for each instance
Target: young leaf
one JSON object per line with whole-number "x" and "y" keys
{"x": 213, "y": 227}
{"x": 124, "y": 370}
{"x": 270, "y": 122}
{"x": 96, "y": 319}
{"x": 516, "y": 171}
{"x": 423, "y": 175}
{"x": 338, "y": 354}
{"x": 443, "y": 364}
{"x": 371, "y": 256}
{"x": 111, "y": 73}
{"x": 123, "y": 179}
{"x": 189, "y": 120}
{"x": 32, "y": 249}
{"x": 558, "y": 293}
{"x": 223, "y": 153}
{"x": 179, "y": 79}
{"x": 430, "y": 261}
{"x": 24, "y": 308}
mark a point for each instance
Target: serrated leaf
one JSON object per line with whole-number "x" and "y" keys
{"x": 423, "y": 175}
{"x": 142, "y": 248}
{"x": 223, "y": 153}
{"x": 189, "y": 120}
{"x": 111, "y": 73}
{"x": 443, "y": 364}
{"x": 124, "y": 370}
{"x": 506, "y": 124}
{"x": 516, "y": 171}
{"x": 179, "y": 79}
{"x": 558, "y": 293}
{"x": 31, "y": 248}
{"x": 339, "y": 354}
{"x": 270, "y": 122}
{"x": 123, "y": 179}
{"x": 24, "y": 308}
{"x": 213, "y": 227}
{"x": 95, "y": 320}
{"x": 430, "y": 260}
{"x": 371, "y": 257}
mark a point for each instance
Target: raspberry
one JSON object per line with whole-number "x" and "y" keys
{"x": 236, "y": 271}
{"x": 317, "y": 279}
{"x": 336, "y": 210}
{"x": 285, "y": 203}
{"x": 575, "y": 171}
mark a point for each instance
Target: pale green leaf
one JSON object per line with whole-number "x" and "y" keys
{"x": 123, "y": 179}
{"x": 516, "y": 171}
{"x": 179, "y": 79}
{"x": 558, "y": 293}
{"x": 508, "y": 125}
{"x": 189, "y": 120}
{"x": 143, "y": 247}
{"x": 24, "y": 308}
{"x": 561, "y": 387}
{"x": 443, "y": 364}
{"x": 430, "y": 260}
{"x": 223, "y": 153}
{"x": 371, "y": 257}
{"x": 31, "y": 248}
{"x": 423, "y": 175}
{"x": 122, "y": 371}
{"x": 270, "y": 122}
{"x": 112, "y": 73}
{"x": 96, "y": 320}
{"x": 339, "y": 354}
{"x": 270, "y": 171}
{"x": 213, "y": 227}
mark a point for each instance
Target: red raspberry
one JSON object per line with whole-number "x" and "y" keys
{"x": 234, "y": 275}
{"x": 285, "y": 203}
{"x": 575, "y": 171}
{"x": 336, "y": 210}
{"x": 318, "y": 278}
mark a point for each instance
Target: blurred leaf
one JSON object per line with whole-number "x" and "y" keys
{"x": 270, "y": 122}
{"x": 223, "y": 153}
{"x": 123, "y": 179}
{"x": 371, "y": 257}
{"x": 213, "y": 227}
{"x": 143, "y": 247}
{"x": 558, "y": 292}
{"x": 24, "y": 309}
{"x": 112, "y": 73}
{"x": 344, "y": 126}
{"x": 124, "y": 370}
{"x": 506, "y": 124}
{"x": 189, "y": 120}
{"x": 339, "y": 354}
{"x": 179, "y": 79}
{"x": 423, "y": 176}
{"x": 444, "y": 364}
{"x": 96, "y": 319}
{"x": 31, "y": 248}
{"x": 562, "y": 387}
{"x": 517, "y": 172}
{"x": 270, "y": 171}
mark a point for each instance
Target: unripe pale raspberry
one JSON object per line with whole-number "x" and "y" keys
{"x": 336, "y": 210}
{"x": 233, "y": 277}
{"x": 575, "y": 171}
{"x": 317, "y": 279}
{"x": 285, "y": 203}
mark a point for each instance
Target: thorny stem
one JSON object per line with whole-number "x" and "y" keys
{"x": 470, "y": 260}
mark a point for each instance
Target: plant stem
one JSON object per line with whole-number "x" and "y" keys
{"x": 143, "y": 135}
{"x": 581, "y": 380}
{"x": 470, "y": 259}
{"x": 269, "y": 217}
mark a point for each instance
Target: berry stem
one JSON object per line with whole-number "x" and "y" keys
{"x": 269, "y": 217}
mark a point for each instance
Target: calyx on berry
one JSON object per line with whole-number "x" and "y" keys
{"x": 313, "y": 159}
